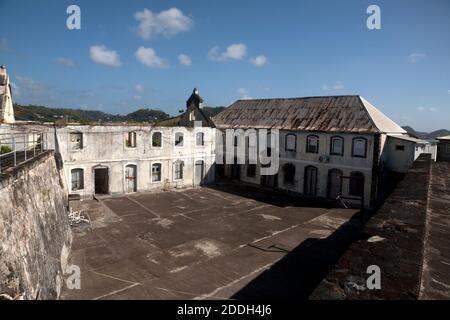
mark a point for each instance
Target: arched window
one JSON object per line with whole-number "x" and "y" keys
{"x": 77, "y": 177}
{"x": 356, "y": 187}
{"x": 156, "y": 172}
{"x": 359, "y": 147}
{"x": 178, "y": 170}
{"x": 130, "y": 139}
{"x": 289, "y": 173}
{"x": 157, "y": 139}
{"x": 179, "y": 139}
{"x": 337, "y": 146}
{"x": 290, "y": 142}
{"x": 312, "y": 144}
{"x": 199, "y": 139}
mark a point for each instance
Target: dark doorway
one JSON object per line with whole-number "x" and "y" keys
{"x": 334, "y": 183}
{"x": 101, "y": 181}
{"x": 310, "y": 181}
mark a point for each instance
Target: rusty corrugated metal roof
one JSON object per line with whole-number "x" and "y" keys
{"x": 326, "y": 114}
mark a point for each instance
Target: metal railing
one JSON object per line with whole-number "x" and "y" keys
{"x": 16, "y": 148}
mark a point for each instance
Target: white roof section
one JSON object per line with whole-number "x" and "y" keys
{"x": 444, "y": 138}
{"x": 407, "y": 138}
{"x": 382, "y": 122}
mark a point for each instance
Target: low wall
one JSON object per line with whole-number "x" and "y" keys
{"x": 35, "y": 235}
{"x": 393, "y": 240}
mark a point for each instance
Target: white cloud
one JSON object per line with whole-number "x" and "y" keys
{"x": 148, "y": 57}
{"x": 244, "y": 94}
{"x": 137, "y": 97}
{"x": 168, "y": 23}
{"x": 416, "y": 57}
{"x": 65, "y": 62}
{"x": 433, "y": 109}
{"x": 336, "y": 86}
{"x": 424, "y": 109}
{"x": 4, "y": 46}
{"x": 139, "y": 88}
{"x": 258, "y": 61}
{"x": 448, "y": 91}
{"x": 236, "y": 51}
{"x": 184, "y": 59}
{"x": 100, "y": 54}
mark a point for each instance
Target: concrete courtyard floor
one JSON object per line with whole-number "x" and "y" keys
{"x": 203, "y": 243}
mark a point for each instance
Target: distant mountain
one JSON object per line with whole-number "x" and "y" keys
{"x": 45, "y": 114}
{"x": 425, "y": 135}
{"x": 212, "y": 111}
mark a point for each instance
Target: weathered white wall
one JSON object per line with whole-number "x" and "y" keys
{"x": 104, "y": 146}
{"x": 402, "y": 160}
{"x": 35, "y": 236}
{"x": 301, "y": 159}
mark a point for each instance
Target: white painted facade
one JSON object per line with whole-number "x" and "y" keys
{"x": 323, "y": 161}
{"x": 105, "y": 147}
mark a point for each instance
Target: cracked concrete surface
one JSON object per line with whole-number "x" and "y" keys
{"x": 200, "y": 243}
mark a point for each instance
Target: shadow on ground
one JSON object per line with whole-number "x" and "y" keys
{"x": 272, "y": 197}
{"x": 297, "y": 274}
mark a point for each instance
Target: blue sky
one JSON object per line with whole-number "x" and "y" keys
{"x": 125, "y": 57}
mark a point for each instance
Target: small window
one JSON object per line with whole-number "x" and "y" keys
{"x": 77, "y": 179}
{"x": 399, "y": 147}
{"x": 291, "y": 142}
{"x": 179, "y": 165}
{"x": 76, "y": 141}
{"x": 130, "y": 139}
{"x": 312, "y": 144}
{"x": 192, "y": 116}
{"x": 179, "y": 139}
{"x": 359, "y": 147}
{"x": 251, "y": 170}
{"x": 156, "y": 172}
{"x": 356, "y": 187}
{"x": 289, "y": 173}
{"x": 337, "y": 146}
{"x": 199, "y": 139}
{"x": 157, "y": 139}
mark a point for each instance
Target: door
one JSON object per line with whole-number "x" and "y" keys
{"x": 101, "y": 181}
{"x": 130, "y": 178}
{"x": 334, "y": 183}
{"x": 198, "y": 172}
{"x": 310, "y": 181}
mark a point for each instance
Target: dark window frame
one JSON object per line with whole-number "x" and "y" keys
{"x": 202, "y": 139}
{"x": 308, "y": 145}
{"x": 178, "y": 171}
{"x": 353, "y": 147}
{"x": 331, "y": 146}
{"x": 352, "y": 184}
{"x": 156, "y": 165}
{"x": 400, "y": 147}
{"x": 289, "y": 176}
{"x": 80, "y": 181}
{"x": 286, "y": 142}
{"x": 160, "y": 141}
{"x": 131, "y": 139}
{"x": 181, "y": 142}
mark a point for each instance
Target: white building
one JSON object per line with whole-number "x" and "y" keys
{"x": 330, "y": 147}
